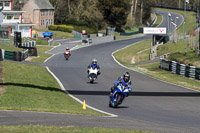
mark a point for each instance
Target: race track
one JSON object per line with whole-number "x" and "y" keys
{"x": 153, "y": 105}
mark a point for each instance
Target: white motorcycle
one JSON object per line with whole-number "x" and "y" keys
{"x": 92, "y": 74}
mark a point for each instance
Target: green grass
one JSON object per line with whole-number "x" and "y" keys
{"x": 177, "y": 53}
{"x": 140, "y": 52}
{"x": 133, "y": 29}
{"x": 154, "y": 71}
{"x": 158, "y": 21}
{"x": 57, "y": 34}
{"x": 135, "y": 53}
{"x": 9, "y": 47}
{"x": 54, "y": 129}
{"x": 32, "y": 88}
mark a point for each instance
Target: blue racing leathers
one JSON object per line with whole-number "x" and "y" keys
{"x": 121, "y": 80}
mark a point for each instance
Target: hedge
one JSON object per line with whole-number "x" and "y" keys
{"x": 65, "y": 28}
{"x": 69, "y": 28}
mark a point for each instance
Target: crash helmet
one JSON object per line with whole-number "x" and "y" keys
{"x": 67, "y": 48}
{"x": 94, "y": 61}
{"x": 126, "y": 76}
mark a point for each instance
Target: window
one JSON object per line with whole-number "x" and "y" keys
{"x": 41, "y": 23}
{"x": 7, "y": 4}
{"x": 9, "y": 17}
{"x": 46, "y": 13}
{"x": 1, "y": 4}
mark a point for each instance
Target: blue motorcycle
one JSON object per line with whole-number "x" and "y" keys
{"x": 117, "y": 97}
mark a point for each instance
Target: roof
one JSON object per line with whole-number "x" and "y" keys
{"x": 13, "y": 12}
{"x": 14, "y": 24}
{"x": 43, "y": 4}
{"x": 5, "y": 0}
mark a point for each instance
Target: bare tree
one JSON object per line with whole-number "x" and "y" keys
{"x": 141, "y": 10}
{"x": 135, "y": 9}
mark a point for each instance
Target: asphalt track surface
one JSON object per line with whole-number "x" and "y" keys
{"x": 153, "y": 105}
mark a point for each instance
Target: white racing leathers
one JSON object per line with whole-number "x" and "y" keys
{"x": 93, "y": 72}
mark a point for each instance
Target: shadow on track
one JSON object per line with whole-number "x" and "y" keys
{"x": 92, "y": 83}
{"x": 150, "y": 94}
{"x": 32, "y": 86}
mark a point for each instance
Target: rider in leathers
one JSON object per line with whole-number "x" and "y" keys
{"x": 94, "y": 65}
{"x": 124, "y": 80}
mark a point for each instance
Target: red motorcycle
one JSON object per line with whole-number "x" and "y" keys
{"x": 67, "y": 54}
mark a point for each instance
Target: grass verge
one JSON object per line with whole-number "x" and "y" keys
{"x": 32, "y": 88}
{"x": 53, "y": 129}
{"x": 178, "y": 54}
{"x": 134, "y": 53}
{"x": 140, "y": 53}
{"x": 154, "y": 71}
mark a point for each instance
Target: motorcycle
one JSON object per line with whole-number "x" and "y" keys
{"x": 92, "y": 74}
{"x": 117, "y": 97}
{"x": 66, "y": 55}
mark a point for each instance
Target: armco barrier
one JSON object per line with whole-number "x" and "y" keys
{"x": 180, "y": 69}
{"x": 13, "y": 55}
{"x": 9, "y": 55}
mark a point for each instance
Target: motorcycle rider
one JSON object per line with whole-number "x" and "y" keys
{"x": 94, "y": 65}
{"x": 68, "y": 51}
{"x": 124, "y": 80}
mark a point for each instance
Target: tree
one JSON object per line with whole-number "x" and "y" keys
{"x": 114, "y": 12}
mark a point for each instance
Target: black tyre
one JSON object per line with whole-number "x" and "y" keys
{"x": 117, "y": 101}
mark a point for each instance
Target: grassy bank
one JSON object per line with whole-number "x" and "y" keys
{"x": 177, "y": 53}
{"x": 32, "y": 88}
{"x": 53, "y": 129}
{"x": 140, "y": 52}
{"x": 135, "y": 53}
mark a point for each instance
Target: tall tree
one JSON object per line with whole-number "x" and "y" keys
{"x": 115, "y": 12}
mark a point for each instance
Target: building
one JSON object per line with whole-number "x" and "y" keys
{"x": 13, "y": 21}
{"x": 38, "y": 12}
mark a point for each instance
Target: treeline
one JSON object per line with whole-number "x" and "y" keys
{"x": 99, "y": 14}
{"x": 102, "y": 13}
{"x": 177, "y": 3}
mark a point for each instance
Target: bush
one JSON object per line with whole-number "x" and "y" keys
{"x": 65, "y": 28}
{"x": 52, "y": 27}
{"x": 90, "y": 30}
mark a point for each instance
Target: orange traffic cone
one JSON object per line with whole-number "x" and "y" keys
{"x": 84, "y": 105}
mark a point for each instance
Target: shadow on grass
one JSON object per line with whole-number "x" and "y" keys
{"x": 138, "y": 93}
{"x": 32, "y": 86}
